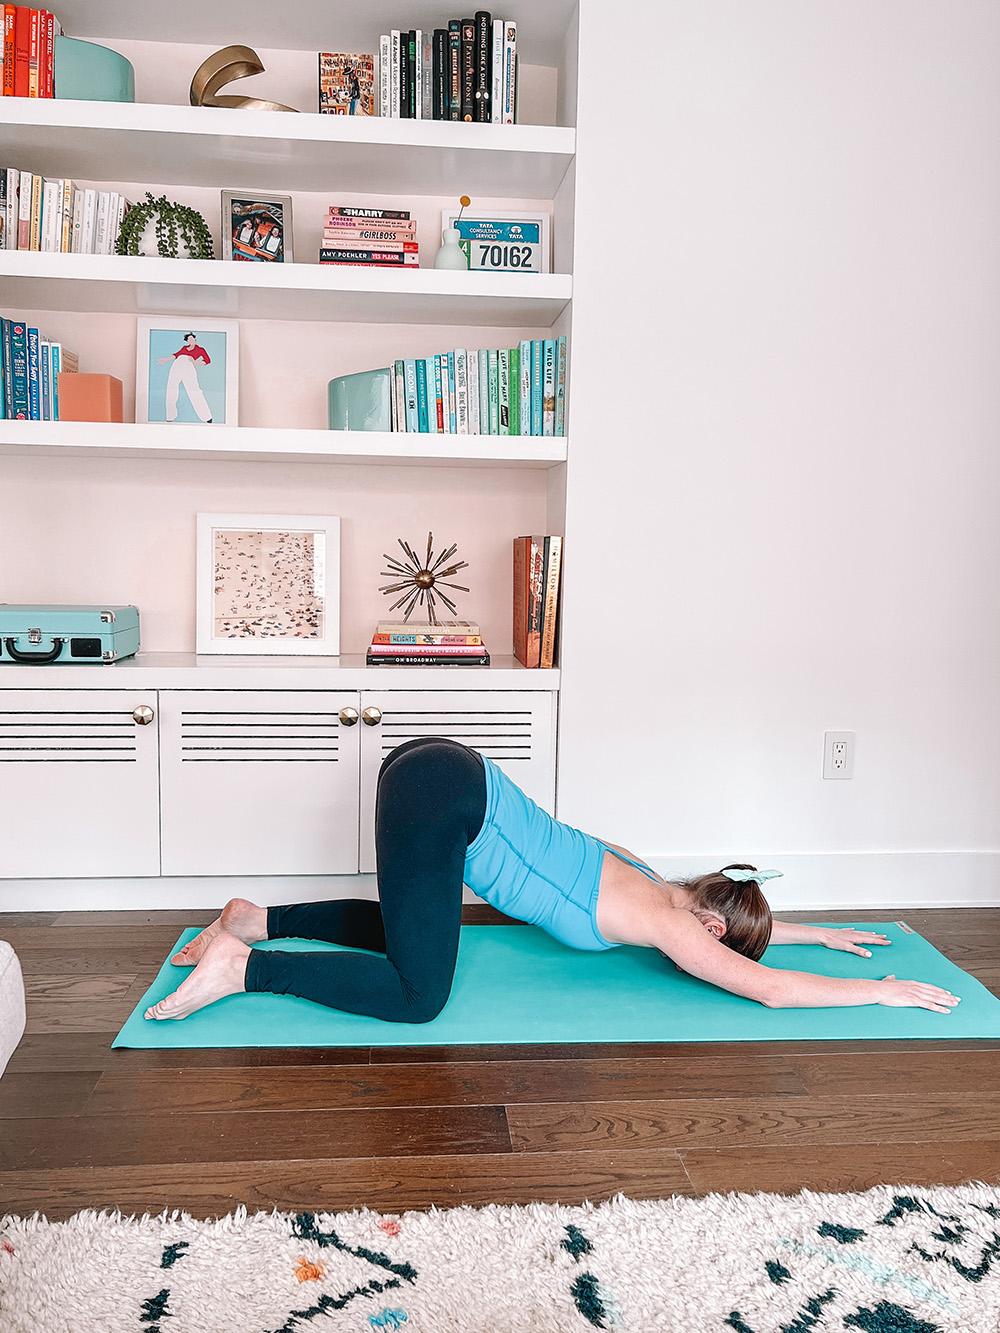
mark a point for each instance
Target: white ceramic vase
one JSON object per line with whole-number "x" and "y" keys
{"x": 451, "y": 254}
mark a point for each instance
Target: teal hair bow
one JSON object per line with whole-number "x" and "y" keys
{"x": 758, "y": 876}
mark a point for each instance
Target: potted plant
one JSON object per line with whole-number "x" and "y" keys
{"x": 164, "y": 228}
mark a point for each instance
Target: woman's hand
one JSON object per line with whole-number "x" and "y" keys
{"x": 915, "y": 995}
{"x": 849, "y": 940}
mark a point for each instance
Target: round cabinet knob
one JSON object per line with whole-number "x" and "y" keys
{"x": 371, "y": 717}
{"x": 142, "y": 716}
{"x": 348, "y": 717}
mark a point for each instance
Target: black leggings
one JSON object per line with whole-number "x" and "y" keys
{"x": 429, "y": 806}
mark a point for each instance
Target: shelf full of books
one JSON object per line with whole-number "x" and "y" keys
{"x": 492, "y": 391}
{"x": 466, "y": 71}
{"x": 30, "y": 366}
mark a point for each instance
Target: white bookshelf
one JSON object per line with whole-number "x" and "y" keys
{"x": 138, "y": 284}
{"x": 249, "y": 444}
{"x": 180, "y": 145}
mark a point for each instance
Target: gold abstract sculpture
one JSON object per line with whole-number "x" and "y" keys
{"x": 232, "y": 62}
{"x": 421, "y": 581}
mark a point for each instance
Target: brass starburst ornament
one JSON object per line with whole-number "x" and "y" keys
{"x": 421, "y": 581}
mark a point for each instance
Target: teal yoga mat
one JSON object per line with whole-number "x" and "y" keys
{"x": 515, "y": 984}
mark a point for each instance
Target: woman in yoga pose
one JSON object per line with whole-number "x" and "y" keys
{"x": 445, "y": 815}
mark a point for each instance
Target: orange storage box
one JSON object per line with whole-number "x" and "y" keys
{"x": 89, "y": 397}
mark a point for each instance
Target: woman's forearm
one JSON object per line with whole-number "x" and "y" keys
{"x": 791, "y": 932}
{"x": 807, "y": 990}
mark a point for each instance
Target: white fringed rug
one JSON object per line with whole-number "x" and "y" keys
{"x": 892, "y": 1260}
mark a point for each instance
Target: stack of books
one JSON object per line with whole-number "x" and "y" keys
{"x": 28, "y": 49}
{"x": 466, "y": 71}
{"x": 30, "y": 365}
{"x": 494, "y": 391}
{"x": 369, "y": 238}
{"x": 537, "y": 566}
{"x": 50, "y": 214}
{"x": 445, "y": 643}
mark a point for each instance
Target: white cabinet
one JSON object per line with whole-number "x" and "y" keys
{"x": 259, "y": 782}
{"x": 516, "y": 728}
{"x": 78, "y": 783}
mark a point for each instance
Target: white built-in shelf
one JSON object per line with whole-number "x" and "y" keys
{"x": 179, "y": 671}
{"x": 89, "y": 439}
{"x": 33, "y": 280}
{"x": 220, "y": 147}
{"x": 306, "y": 25}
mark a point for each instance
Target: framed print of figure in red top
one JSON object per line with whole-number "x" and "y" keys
{"x": 187, "y": 371}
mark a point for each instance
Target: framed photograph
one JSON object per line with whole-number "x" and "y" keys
{"x": 187, "y": 370}
{"x": 268, "y": 583}
{"x": 498, "y": 242}
{"x": 257, "y": 226}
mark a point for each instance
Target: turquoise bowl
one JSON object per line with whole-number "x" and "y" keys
{"x": 88, "y": 73}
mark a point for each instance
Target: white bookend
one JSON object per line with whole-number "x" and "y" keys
{"x": 509, "y": 71}
{"x": 384, "y": 75}
{"x": 461, "y": 391}
{"x": 394, "y": 73}
{"x": 496, "y": 96}
{"x": 473, "y": 360}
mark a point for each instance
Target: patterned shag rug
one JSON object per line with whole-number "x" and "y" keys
{"x": 892, "y": 1260}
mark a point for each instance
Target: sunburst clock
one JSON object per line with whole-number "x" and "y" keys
{"x": 421, "y": 582}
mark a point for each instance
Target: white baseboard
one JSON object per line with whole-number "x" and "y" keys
{"x": 867, "y": 882}
{"x": 863, "y": 881}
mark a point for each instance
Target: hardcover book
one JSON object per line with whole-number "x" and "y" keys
{"x": 346, "y": 84}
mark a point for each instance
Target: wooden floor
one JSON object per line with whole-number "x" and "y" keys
{"x": 395, "y": 1128}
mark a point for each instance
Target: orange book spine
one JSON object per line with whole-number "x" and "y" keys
{"x": 34, "y": 51}
{"x": 22, "y": 45}
{"x": 9, "y": 49}
{"x": 48, "y": 54}
{"x": 553, "y": 565}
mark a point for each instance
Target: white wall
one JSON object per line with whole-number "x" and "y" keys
{"x": 785, "y": 442}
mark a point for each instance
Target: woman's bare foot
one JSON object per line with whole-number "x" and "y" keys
{"x": 241, "y": 918}
{"x": 221, "y": 972}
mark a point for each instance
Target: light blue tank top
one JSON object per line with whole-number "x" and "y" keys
{"x": 531, "y": 866}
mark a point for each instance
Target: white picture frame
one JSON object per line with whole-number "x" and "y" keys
{"x": 174, "y": 383}
{"x": 270, "y": 240}
{"x": 504, "y": 219}
{"x": 278, "y": 576}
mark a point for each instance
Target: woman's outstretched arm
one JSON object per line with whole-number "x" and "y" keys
{"x": 846, "y": 939}
{"x": 683, "y": 939}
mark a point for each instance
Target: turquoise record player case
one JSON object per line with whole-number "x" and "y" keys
{"x": 32, "y": 635}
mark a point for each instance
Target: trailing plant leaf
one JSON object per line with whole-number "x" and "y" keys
{"x": 174, "y": 223}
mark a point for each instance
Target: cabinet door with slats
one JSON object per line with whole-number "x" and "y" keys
{"x": 78, "y": 783}
{"x": 514, "y": 728}
{"x": 259, "y": 782}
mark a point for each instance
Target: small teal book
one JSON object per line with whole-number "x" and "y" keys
{"x": 56, "y": 367}
{"x": 34, "y": 378}
{"x": 515, "y": 397}
{"x": 483, "y": 358}
{"x": 503, "y": 364}
{"x": 549, "y": 388}
{"x": 443, "y": 426}
{"x": 410, "y": 401}
{"x": 524, "y": 386}
{"x": 561, "y": 385}
{"x": 45, "y": 378}
{"x": 19, "y": 370}
{"x": 452, "y": 404}
{"x": 422, "y": 395}
{"x": 494, "y": 391}
{"x": 400, "y": 400}
{"x": 537, "y": 374}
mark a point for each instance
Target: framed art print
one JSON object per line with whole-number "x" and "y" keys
{"x": 187, "y": 371}
{"x": 499, "y": 242}
{"x": 257, "y": 227}
{"x": 268, "y": 583}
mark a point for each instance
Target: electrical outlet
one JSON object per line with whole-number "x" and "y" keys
{"x": 838, "y": 755}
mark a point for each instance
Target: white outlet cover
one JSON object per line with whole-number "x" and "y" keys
{"x": 833, "y": 771}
